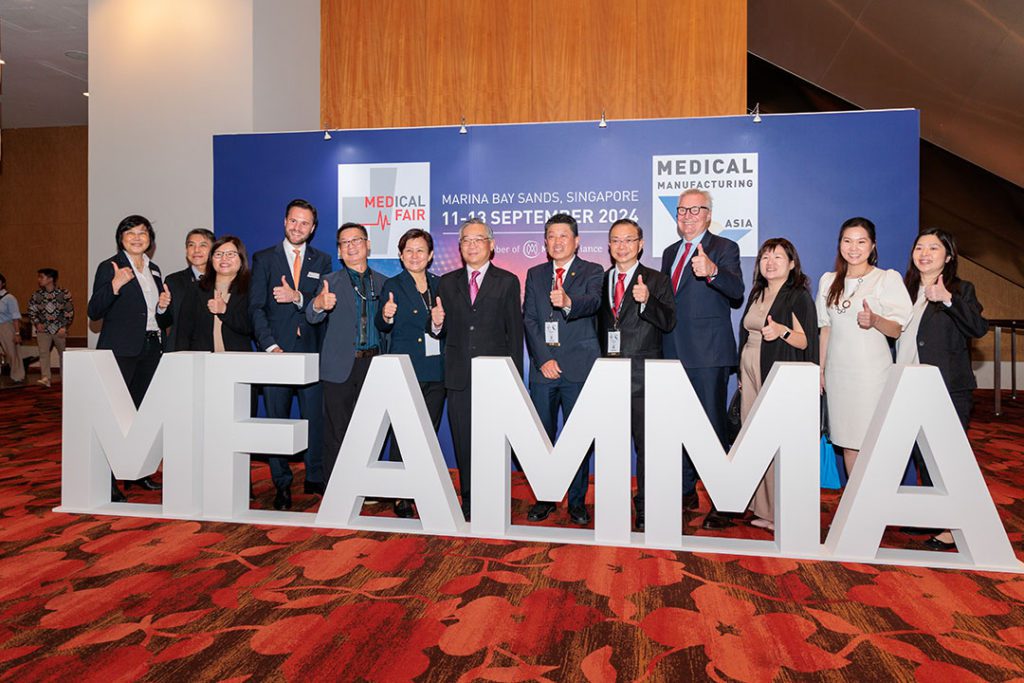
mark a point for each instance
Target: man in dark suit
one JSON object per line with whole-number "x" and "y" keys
{"x": 197, "y": 253}
{"x": 477, "y": 313}
{"x": 348, "y": 300}
{"x": 561, "y": 299}
{"x": 636, "y": 311}
{"x": 708, "y": 283}
{"x": 285, "y": 277}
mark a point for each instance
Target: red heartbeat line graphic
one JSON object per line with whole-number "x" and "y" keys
{"x": 382, "y": 221}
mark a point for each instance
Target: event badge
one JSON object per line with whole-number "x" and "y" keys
{"x": 614, "y": 342}
{"x": 551, "y": 332}
{"x": 315, "y": 276}
{"x": 431, "y": 346}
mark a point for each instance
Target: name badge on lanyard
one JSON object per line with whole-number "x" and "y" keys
{"x": 551, "y": 333}
{"x": 614, "y": 342}
{"x": 431, "y": 346}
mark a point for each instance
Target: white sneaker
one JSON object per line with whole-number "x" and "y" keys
{"x": 45, "y": 381}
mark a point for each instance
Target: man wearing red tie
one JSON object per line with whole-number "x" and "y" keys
{"x": 707, "y": 284}
{"x": 636, "y": 312}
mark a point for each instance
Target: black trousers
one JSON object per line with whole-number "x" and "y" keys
{"x": 963, "y": 401}
{"x": 433, "y": 395}
{"x": 339, "y": 402}
{"x": 460, "y": 420}
{"x": 138, "y": 371}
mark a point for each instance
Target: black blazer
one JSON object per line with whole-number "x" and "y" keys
{"x": 788, "y": 302}
{"x": 407, "y": 331}
{"x": 944, "y": 334}
{"x": 180, "y": 283}
{"x": 641, "y": 333}
{"x": 124, "y": 314}
{"x": 195, "y": 322}
{"x": 492, "y": 326}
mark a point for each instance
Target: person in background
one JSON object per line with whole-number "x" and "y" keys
{"x": 407, "y": 299}
{"x": 197, "y": 254}
{"x": 947, "y": 316}
{"x": 131, "y": 299}
{"x": 778, "y": 325}
{"x": 10, "y": 336}
{"x": 215, "y": 315}
{"x": 51, "y": 311}
{"x": 860, "y": 308}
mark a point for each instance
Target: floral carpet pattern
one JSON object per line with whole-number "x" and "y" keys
{"x": 86, "y": 598}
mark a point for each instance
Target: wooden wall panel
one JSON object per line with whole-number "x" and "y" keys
{"x": 43, "y": 211}
{"x": 431, "y": 62}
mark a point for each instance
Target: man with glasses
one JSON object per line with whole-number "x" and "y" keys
{"x": 348, "y": 301}
{"x": 707, "y": 283}
{"x": 197, "y": 253}
{"x": 636, "y": 311}
{"x": 477, "y": 313}
{"x": 561, "y": 300}
{"x": 285, "y": 278}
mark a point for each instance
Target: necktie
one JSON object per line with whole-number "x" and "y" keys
{"x": 558, "y": 277}
{"x": 678, "y": 272}
{"x": 474, "y": 288}
{"x": 620, "y": 291}
{"x": 296, "y": 268}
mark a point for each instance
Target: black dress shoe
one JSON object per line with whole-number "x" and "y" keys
{"x": 466, "y": 507}
{"x": 283, "y": 498}
{"x": 116, "y": 494}
{"x": 691, "y": 501}
{"x": 579, "y": 515}
{"x": 540, "y": 511}
{"x": 317, "y": 487}
{"x": 403, "y": 508}
{"x": 715, "y": 521}
{"x": 144, "y": 483}
{"x": 920, "y": 531}
{"x": 934, "y": 543}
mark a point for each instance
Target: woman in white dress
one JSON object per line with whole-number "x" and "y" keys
{"x": 860, "y": 307}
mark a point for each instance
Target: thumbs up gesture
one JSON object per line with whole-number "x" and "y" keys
{"x": 702, "y": 265}
{"x": 122, "y": 276}
{"x": 640, "y": 291}
{"x": 559, "y": 299}
{"x": 390, "y": 308}
{"x": 866, "y": 317}
{"x": 937, "y": 292}
{"x": 164, "y": 302}
{"x": 217, "y": 305}
{"x": 325, "y": 300}
{"x": 771, "y": 330}
{"x": 437, "y": 313}
{"x": 284, "y": 294}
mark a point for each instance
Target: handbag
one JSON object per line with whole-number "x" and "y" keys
{"x": 828, "y": 469}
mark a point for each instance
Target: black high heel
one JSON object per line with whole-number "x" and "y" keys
{"x": 144, "y": 483}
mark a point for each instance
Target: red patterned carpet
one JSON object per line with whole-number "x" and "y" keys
{"x": 103, "y": 598}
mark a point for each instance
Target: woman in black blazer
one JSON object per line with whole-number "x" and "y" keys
{"x": 947, "y": 316}
{"x": 215, "y": 314}
{"x": 405, "y": 317}
{"x": 779, "y": 324}
{"x": 131, "y": 299}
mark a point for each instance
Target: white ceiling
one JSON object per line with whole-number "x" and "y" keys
{"x": 42, "y": 86}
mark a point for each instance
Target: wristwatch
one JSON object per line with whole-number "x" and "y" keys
{"x": 786, "y": 335}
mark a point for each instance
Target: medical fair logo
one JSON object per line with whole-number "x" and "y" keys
{"x": 387, "y": 198}
{"x": 730, "y": 178}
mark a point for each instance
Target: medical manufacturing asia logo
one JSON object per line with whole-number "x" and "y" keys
{"x": 387, "y": 198}
{"x": 730, "y": 178}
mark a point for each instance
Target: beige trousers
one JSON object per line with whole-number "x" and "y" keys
{"x": 46, "y": 342}
{"x": 12, "y": 354}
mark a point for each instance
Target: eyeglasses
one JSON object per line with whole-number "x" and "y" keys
{"x": 355, "y": 241}
{"x": 224, "y": 255}
{"x": 629, "y": 241}
{"x": 692, "y": 210}
{"x": 474, "y": 240}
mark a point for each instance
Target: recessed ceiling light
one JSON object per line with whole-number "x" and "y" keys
{"x": 77, "y": 55}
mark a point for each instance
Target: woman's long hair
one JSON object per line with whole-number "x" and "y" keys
{"x": 912, "y": 278}
{"x": 796, "y": 278}
{"x": 835, "y": 292}
{"x": 240, "y": 285}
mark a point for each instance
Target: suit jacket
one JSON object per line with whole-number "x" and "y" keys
{"x": 944, "y": 334}
{"x": 275, "y": 323}
{"x": 124, "y": 314}
{"x": 180, "y": 283}
{"x": 577, "y": 332}
{"x": 704, "y": 338}
{"x": 407, "y": 331}
{"x": 491, "y": 326}
{"x": 641, "y": 333}
{"x": 195, "y": 322}
{"x": 339, "y": 341}
{"x": 788, "y": 302}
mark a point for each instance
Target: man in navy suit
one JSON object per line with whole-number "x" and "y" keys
{"x": 285, "y": 277}
{"x": 561, "y": 300}
{"x": 708, "y": 283}
{"x": 348, "y": 300}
